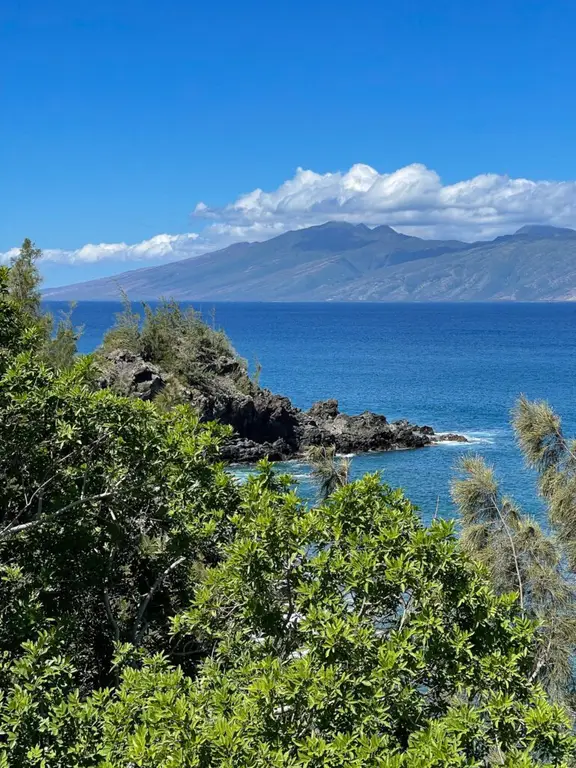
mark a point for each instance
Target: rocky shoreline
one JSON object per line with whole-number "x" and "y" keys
{"x": 267, "y": 425}
{"x": 295, "y": 431}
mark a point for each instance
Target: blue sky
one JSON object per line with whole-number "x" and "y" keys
{"x": 119, "y": 117}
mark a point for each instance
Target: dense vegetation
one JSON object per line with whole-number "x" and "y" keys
{"x": 157, "y": 613}
{"x": 540, "y": 564}
{"x": 180, "y": 343}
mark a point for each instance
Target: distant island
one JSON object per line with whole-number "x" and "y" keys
{"x": 346, "y": 262}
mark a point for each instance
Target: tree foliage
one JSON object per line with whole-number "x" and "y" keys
{"x": 519, "y": 554}
{"x": 344, "y": 635}
{"x": 178, "y": 341}
{"x": 108, "y": 509}
{"x": 349, "y": 634}
{"x": 20, "y": 286}
{"x": 24, "y": 280}
{"x": 15, "y": 335}
{"x": 548, "y": 451}
{"x": 329, "y": 471}
{"x": 155, "y": 613}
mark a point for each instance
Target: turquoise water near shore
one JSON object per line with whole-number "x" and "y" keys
{"x": 457, "y": 367}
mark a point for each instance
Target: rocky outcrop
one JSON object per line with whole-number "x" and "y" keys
{"x": 324, "y": 424}
{"x": 262, "y": 417}
{"x": 129, "y": 375}
{"x": 450, "y": 437}
{"x": 267, "y": 425}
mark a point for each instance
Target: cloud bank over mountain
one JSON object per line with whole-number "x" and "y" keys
{"x": 412, "y": 199}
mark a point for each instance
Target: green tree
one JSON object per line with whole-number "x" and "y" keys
{"x": 522, "y": 557}
{"x": 24, "y": 279}
{"x": 23, "y": 282}
{"x": 349, "y": 634}
{"x": 108, "y": 511}
{"x": 345, "y": 635}
{"x": 15, "y": 333}
{"x": 328, "y": 471}
{"x": 547, "y": 450}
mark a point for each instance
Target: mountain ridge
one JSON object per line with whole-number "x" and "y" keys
{"x": 339, "y": 261}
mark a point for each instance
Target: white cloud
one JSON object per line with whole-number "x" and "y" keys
{"x": 7, "y": 255}
{"x": 412, "y": 199}
{"x": 166, "y": 247}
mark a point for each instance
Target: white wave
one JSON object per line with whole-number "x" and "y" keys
{"x": 451, "y": 443}
{"x": 488, "y": 436}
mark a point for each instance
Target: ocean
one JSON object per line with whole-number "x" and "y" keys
{"x": 456, "y": 367}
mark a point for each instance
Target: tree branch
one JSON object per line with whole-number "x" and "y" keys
{"x": 40, "y": 489}
{"x": 565, "y": 444}
{"x": 145, "y": 602}
{"x": 8, "y": 531}
{"x": 406, "y": 604}
{"x": 110, "y": 615}
{"x": 513, "y": 548}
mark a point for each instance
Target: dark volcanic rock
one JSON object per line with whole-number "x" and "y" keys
{"x": 450, "y": 437}
{"x": 267, "y": 425}
{"x": 243, "y": 451}
{"x": 324, "y": 424}
{"x": 264, "y": 419}
{"x": 324, "y": 410}
{"x": 129, "y": 375}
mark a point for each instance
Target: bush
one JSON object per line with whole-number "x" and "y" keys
{"x": 108, "y": 509}
{"x": 179, "y": 342}
{"x": 350, "y": 634}
{"x": 347, "y": 635}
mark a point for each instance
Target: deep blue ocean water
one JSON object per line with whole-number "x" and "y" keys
{"x": 457, "y": 367}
